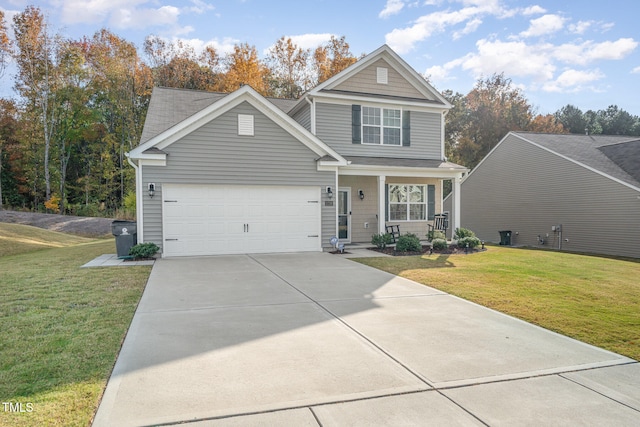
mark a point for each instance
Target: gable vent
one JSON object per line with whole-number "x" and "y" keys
{"x": 383, "y": 75}
{"x": 245, "y": 124}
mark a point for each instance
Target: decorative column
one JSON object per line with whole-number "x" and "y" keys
{"x": 381, "y": 204}
{"x": 455, "y": 219}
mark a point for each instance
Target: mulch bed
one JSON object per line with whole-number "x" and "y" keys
{"x": 451, "y": 250}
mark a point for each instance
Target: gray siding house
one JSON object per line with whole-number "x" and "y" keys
{"x": 572, "y": 192}
{"x": 241, "y": 173}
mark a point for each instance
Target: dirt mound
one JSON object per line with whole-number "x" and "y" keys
{"x": 79, "y": 225}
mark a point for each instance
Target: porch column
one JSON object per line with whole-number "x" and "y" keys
{"x": 381, "y": 204}
{"x": 455, "y": 223}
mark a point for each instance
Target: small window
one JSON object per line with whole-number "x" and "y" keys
{"x": 382, "y": 75}
{"x": 245, "y": 124}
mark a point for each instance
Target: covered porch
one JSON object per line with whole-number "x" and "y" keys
{"x": 374, "y": 192}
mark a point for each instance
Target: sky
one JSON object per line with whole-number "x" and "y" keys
{"x": 584, "y": 53}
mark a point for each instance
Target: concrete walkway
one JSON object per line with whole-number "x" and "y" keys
{"x": 316, "y": 339}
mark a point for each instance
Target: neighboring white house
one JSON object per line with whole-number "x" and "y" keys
{"x": 241, "y": 173}
{"x": 571, "y": 192}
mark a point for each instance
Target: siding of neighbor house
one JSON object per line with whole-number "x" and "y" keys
{"x": 216, "y": 154}
{"x": 333, "y": 127}
{"x": 365, "y": 82}
{"x": 526, "y": 189}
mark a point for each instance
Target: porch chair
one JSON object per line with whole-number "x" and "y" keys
{"x": 394, "y": 231}
{"x": 440, "y": 223}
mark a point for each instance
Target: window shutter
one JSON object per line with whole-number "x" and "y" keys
{"x": 431, "y": 202}
{"x": 386, "y": 203}
{"x": 356, "y": 129}
{"x": 406, "y": 128}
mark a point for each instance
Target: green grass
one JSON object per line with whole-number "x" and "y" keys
{"x": 593, "y": 299}
{"x": 17, "y": 239}
{"x": 61, "y": 326}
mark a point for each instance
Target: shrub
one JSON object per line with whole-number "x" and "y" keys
{"x": 439, "y": 244}
{"x": 461, "y": 233}
{"x": 381, "y": 240}
{"x": 53, "y": 204}
{"x": 408, "y": 243}
{"x": 468, "y": 242}
{"x": 144, "y": 250}
{"x": 436, "y": 234}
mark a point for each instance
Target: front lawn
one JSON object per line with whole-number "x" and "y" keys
{"x": 61, "y": 326}
{"x": 593, "y": 299}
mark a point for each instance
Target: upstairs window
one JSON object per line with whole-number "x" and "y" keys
{"x": 381, "y": 126}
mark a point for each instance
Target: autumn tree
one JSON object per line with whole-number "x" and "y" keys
{"x": 5, "y": 46}
{"x": 8, "y": 139}
{"x": 176, "y": 64}
{"x": 331, "y": 58}
{"x": 244, "y": 67}
{"x": 121, "y": 86}
{"x": 492, "y": 109}
{"x": 547, "y": 123}
{"x": 36, "y": 80}
{"x": 289, "y": 68}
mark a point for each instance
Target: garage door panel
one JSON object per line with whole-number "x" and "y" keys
{"x": 211, "y": 220}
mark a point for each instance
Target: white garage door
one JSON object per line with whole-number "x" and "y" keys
{"x": 214, "y": 220}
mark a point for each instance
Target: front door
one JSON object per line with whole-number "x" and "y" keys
{"x": 344, "y": 214}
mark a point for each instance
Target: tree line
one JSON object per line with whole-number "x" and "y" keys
{"x": 80, "y": 106}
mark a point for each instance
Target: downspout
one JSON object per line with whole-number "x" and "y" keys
{"x": 139, "y": 196}
{"x": 312, "y": 114}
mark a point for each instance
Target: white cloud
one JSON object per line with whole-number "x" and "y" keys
{"x": 589, "y": 51}
{"x": 392, "y": 7}
{"x": 469, "y": 28}
{"x": 572, "y": 80}
{"x": 515, "y": 59}
{"x": 636, "y": 70}
{"x": 533, "y": 10}
{"x": 403, "y": 40}
{"x": 546, "y": 24}
{"x": 580, "y": 27}
{"x": 123, "y": 14}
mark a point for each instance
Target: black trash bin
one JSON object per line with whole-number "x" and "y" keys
{"x": 126, "y": 233}
{"x": 505, "y": 237}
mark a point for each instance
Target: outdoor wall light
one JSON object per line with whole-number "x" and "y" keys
{"x": 151, "y": 188}
{"x": 329, "y": 192}
{"x": 361, "y": 194}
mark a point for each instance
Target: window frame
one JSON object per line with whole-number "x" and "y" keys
{"x": 381, "y": 127}
{"x": 408, "y": 203}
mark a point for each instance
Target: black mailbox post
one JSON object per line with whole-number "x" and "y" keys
{"x": 126, "y": 233}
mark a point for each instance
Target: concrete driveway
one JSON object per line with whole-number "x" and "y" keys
{"x": 315, "y": 339}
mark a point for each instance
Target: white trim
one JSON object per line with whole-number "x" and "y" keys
{"x": 366, "y": 170}
{"x": 382, "y": 208}
{"x": 341, "y": 99}
{"x": 348, "y": 191}
{"x": 139, "y": 201}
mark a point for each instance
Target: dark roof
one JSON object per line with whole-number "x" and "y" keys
{"x": 407, "y": 163}
{"x": 170, "y": 106}
{"x": 614, "y": 155}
